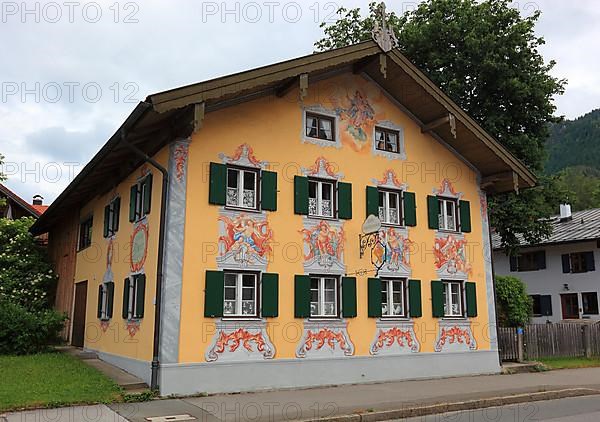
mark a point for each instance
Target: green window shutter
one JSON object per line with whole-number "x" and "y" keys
{"x": 410, "y": 209}
{"x": 214, "y": 293}
{"x": 414, "y": 298}
{"x": 132, "y": 201}
{"x": 465, "y": 216}
{"x": 126, "y": 285}
{"x": 217, "y": 187}
{"x": 433, "y": 210}
{"x": 270, "y": 295}
{"x": 437, "y": 298}
{"x": 116, "y": 213}
{"x": 148, "y": 196}
{"x": 301, "y": 296}
{"x": 372, "y": 201}
{"x": 268, "y": 191}
{"x": 100, "y": 293}
{"x": 344, "y": 200}
{"x": 140, "y": 296}
{"x": 106, "y": 219}
{"x": 301, "y": 195}
{"x": 471, "y": 294}
{"x": 349, "y": 297}
{"x": 110, "y": 291}
{"x": 374, "y": 292}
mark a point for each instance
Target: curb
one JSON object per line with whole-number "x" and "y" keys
{"x": 410, "y": 412}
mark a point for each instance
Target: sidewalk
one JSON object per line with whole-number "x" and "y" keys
{"x": 365, "y": 398}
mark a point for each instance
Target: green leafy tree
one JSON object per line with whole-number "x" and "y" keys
{"x": 582, "y": 185}
{"x": 2, "y": 178}
{"x": 485, "y": 56}
{"x": 513, "y": 304}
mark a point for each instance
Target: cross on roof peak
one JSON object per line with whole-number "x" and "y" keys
{"x": 382, "y": 34}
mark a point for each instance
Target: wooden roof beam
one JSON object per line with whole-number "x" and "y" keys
{"x": 449, "y": 118}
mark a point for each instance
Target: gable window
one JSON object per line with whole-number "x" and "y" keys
{"x": 242, "y": 188}
{"x": 578, "y": 262}
{"x": 320, "y": 127}
{"x": 393, "y": 298}
{"x": 447, "y": 216}
{"x": 111, "y": 217}
{"x": 240, "y": 295}
{"x": 528, "y": 261}
{"x": 453, "y": 299}
{"x": 390, "y": 210}
{"x": 321, "y": 198}
{"x": 387, "y": 140}
{"x": 140, "y": 199}
{"x": 134, "y": 294}
{"x": 323, "y": 297}
{"x": 85, "y": 233}
{"x": 590, "y": 303}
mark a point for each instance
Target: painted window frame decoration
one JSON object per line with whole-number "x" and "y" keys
{"x": 389, "y": 126}
{"x": 455, "y": 336}
{"x": 133, "y": 288}
{"x": 241, "y": 188}
{"x": 322, "y": 296}
{"x": 384, "y": 208}
{"x": 324, "y": 339}
{"x": 106, "y": 300}
{"x": 86, "y": 228}
{"x": 330, "y": 114}
{"x": 318, "y": 200}
{"x": 239, "y": 295}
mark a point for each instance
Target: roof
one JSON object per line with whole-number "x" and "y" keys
{"x": 171, "y": 114}
{"x": 34, "y": 210}
{"x": 584, "y": 225}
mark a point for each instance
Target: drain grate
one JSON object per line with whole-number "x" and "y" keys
{"x": 173, "y": 418}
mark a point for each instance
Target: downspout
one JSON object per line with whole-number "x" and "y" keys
{"x": 159, "y": 265}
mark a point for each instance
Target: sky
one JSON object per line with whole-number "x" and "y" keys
{"x": 70, "y": 72}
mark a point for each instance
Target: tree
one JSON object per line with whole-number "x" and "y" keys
{"x": 484, "y": 55}
{"x": 2, "y": 178}
{"x": 513, "y": 304}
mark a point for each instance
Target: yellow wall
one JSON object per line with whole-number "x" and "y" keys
{"x": 272, "y": 127}
{"x": 92, "y": 263}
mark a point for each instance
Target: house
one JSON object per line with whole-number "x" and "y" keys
{"x": 218, "y": 245}
{"x": 16, "y": 207}
{"x": 560, "y": 271}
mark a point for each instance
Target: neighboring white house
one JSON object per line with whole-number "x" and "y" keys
{"x": 559, "y": 272}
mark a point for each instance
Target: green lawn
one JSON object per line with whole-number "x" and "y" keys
{"x": 565, "y": 363}
{"x": 51, "y": 379}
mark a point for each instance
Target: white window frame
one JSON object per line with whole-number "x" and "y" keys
{"x": 448, "y": 313}
{"x": 443, "y": 214}
{"x": 320, "y": 116}
{"x": 104, "y": 306}
{"x": 131, "y": 311}
{"x": 319, "y": 198}
{"x": 239, "y": 295}
{"x": 386, "y": 206}
{"x": 387, "y": 131}
{"x": 112, "y": 230}
{"x": 321, "y": 296}
{"x": 389, "y": 283}
{"x": 240, "y": 187}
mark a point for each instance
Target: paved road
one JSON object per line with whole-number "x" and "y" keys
{"x": 578, "y": 409}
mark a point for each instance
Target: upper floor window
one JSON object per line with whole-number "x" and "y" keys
{"x": 320, "y": 127}
{"x": 85, "y": 233}
{"x": 390, "y": 210}
{"x": 134, "y": 295}
{"x": 447, "y": 215}
{"x": 528, "y": 261}
{"x": 324, "y": 297}
{"x": 111, "y": 217}
{"x": 453, "y": 298}
{"x": 393, "y": 298}
{"x": 578, "y": 262}
{"x": 140, "y": 199}
{"x": 387, "y": 140}
{"x": 321, "y": 201}
{"x": 242, "y": 188}
{"x": 240, "y": 295}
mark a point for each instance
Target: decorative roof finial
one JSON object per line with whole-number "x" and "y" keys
{"x": 382, "y": 34}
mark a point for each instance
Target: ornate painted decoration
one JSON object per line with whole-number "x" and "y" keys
{"x": 325, "y": 340}
{"x": 132, "y": 327}
{"x": 455, "y": 336}
{"x": 139, "y": 247}
{"x": 483, "y": 206}
{"x": 398, "y": 248}
{"x": 323, "y": 245}
{"x": 245, "y": 240}
{"x": 180, "y": 155}
{"x": 239, "y": 341}
{"x": 243, "y": 156}
{"x": 325, "y": 143}
{"x": 390, "y": 180}
{"x": 395, "y": 340}
{"x": 108, "y": 274}
{"x": 357, "y": 117}
{"x": 450, "y": 256}
{"x": 322, "y": 168}
{"x": 104, "y": 325}
{"x": 447, "y": 190}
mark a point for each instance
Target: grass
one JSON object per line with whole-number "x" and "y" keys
{"x": 51, "y": 380}
{"x": 566, "y": 363}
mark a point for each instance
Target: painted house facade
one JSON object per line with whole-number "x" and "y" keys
{"x": 560, "y": 272}
{"x": 250, "y": 244}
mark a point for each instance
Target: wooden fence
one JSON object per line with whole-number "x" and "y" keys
{"x": 549, "y": 340}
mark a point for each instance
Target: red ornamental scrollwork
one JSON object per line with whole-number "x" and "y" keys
{"x": 239, "y": 337}
{"x": 132, "y": 328}
{"x": 181, "y": 155}
{"x": 454, "y": 334}
{"x": 393, "y": 335}
{"x": 322, "y": 165}
{"x": 104, "y": 326}
{"x": 322, "y": 337}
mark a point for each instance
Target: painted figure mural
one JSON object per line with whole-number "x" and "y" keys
{"x": 397, "y": 250}
{"x": 325, "y": 244}
{"x": 247, "y": 239}
{"x": 450, "y": 255}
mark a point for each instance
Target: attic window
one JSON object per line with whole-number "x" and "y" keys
{"x": 320, "y": 127}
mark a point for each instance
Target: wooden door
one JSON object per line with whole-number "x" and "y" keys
{"x": 79, "y": 309}
{"x": 570, "y": 305}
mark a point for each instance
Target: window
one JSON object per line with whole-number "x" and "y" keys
{"x": 111, "y": 217}
{"x": 140, "y": 199}
{"x": 387, "y": 140}
{"x": 447, "y": 215}
{"x": 590, "y": 303}
{"x": 578, "y": 262}
{"x": 134, "y": 295}
{"x": 541, "y": 305}
{"x": 85, "y": 233}
{"x": 529, "y": 261}
{"x": 242, "y": 188}
{"x": 320, "y": 198}
{"x": 323, "y": 297}
{"x": 240, "y": 296}
{"x": 453, "y": 299}
{"x": 105, "y": 300}
{"x": 393, "y": 298}
{"x": 390, "y": 211}
{"x": 320, "y": 127}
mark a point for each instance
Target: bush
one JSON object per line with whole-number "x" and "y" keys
{"x": 513, "y": 304}
{"x": 26, "y": 332}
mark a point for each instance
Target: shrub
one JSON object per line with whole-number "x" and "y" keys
{"x": 513, "y": 304}
{"x": 26, "y": 332}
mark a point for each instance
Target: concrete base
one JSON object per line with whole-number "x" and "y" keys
{"x": 229, "y": 377}
{"x": 139, "y": 368}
